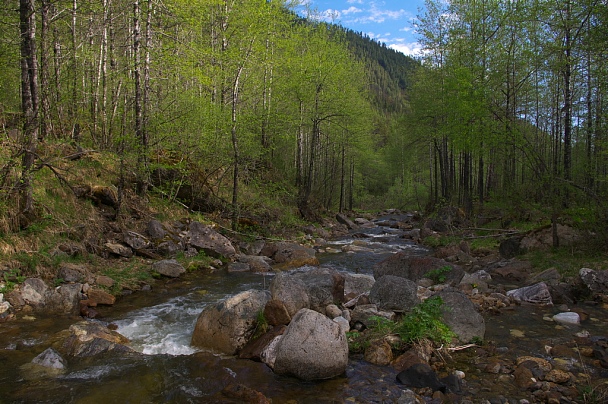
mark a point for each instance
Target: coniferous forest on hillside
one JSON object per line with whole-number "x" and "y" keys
{"x": 246, "y": 108}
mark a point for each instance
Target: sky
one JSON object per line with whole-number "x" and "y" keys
{"x": 387, "y": 21}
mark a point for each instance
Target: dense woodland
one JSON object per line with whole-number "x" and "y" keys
{"x": 507, "y": 103}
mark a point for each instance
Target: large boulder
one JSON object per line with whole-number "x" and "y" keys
{"x": 461, "y": 315}
{"x": 289, "y": 255}
{"x": 356, "y": 284}
{"x": 227, "y": 326}
{"x": 313, "y": 347}
{"x": 205, "y": 238}
{"x": 34, "y": 292}
{"x": 65, "y": 299}
{"x": 394, "y": 293}
{"x": 291, "y": 291}
{"x": 414, "y": 267}
{"x": 313, "y": 289}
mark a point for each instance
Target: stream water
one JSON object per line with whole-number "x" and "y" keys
{"x": 167, "y": 369}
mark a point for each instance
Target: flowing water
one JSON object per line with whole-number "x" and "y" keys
{"x": 167, "y": 369}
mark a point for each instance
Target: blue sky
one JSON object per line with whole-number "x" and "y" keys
{"x": 388, "y": 21}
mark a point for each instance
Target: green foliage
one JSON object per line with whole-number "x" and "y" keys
{"x": 10, "y": 279}
{"x": 424, "y": 322}
{"x": 589, "y": 394}
{"x": 128, "y": 276}
{"x": 438, "y": 275}
{"x": 357, "y": 342}
{"x": 261, "y": 325}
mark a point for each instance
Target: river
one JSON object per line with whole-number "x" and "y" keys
{"x": 167, "y": 369}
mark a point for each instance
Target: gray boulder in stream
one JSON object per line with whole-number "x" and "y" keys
{"x": 227, "y": 326}
{"x": 415, "y": 267}
{"x": 394, "y": 293}
{"x": 312, "y": 348}
{"x": 461, "y": 315}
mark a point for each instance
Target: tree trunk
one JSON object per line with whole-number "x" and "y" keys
{"x": 29, "y": 105}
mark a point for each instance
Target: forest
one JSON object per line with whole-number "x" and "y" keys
{"x": 253, "y": 106}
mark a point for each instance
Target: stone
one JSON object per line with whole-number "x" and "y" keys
{"x": 119, "y": 250}
{"x": 343, "y": 219}
{"x": 98, "y": 296}
{"x": 343, "y": 323}
{"x": 254, "y": 348}
{"x": 394, "y": 293}
{"x": 170, "y": 268}
{"x": 276, "y": 313}
{"x": 169, "y": 248}
{"x": 414, "y": 267}
{"x": 461, "y": 315}
{"x": 542, "y": 364}
{"x": 557, "y": 376}
{"x": 269, "y": 354}
{"x": 64, "y": 299}
{"x": 156, "y": 230}
{"x": 379, "y": 352}
{"x": 225, "y": 327}
{"x": 356, "y": 284}
{"x": 256, "y": 263}
{"x": 135, "y": 240}
{"x": 71, "y": 273}
{"x": 88, "y": 338}
{"x": 595, "y": 281}
{"x": 289, "y": 255}
{"x": 363, "y": 314}
{"x": 291, "y": 291}
{"x": 244, "y": 394}
{"x": 33, "y": 292}
{"x": 523, "y": 377}
{"x": 420, "y": 375}
{"x": 50, "y": 358}
{"x": 313, "y": 347}
{"x": 238, "y": 267}
{"x": 538, "y": 294}
{"x": 105, "y": 281}
{"x": 333, "y": 311}
{"x": 205, "y": 238}
{"x": 567, "y": 318}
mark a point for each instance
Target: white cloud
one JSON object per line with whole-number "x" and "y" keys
{"x": 409, "y": 49}
{"x": 351, "y": 10}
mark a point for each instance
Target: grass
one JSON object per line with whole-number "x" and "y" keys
{"x": 423, "y": 322}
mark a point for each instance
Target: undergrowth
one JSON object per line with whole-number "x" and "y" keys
{"x": 423, "y": 322}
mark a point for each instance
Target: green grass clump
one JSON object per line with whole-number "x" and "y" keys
{"x": 425, "y": 322}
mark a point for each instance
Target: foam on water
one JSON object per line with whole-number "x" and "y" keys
{"x": 162, "y": 329}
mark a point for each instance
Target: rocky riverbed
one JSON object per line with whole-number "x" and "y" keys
{"x": 539, "y": 337}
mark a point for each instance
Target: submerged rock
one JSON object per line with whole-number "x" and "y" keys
{"x": 421, "y": 375}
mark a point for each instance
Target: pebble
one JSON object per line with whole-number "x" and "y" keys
{"x": 568, "y": 318}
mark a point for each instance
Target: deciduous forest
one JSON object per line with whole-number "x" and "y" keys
{"x": 248, "y": 106}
